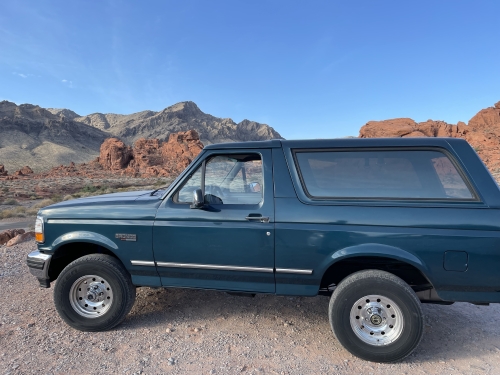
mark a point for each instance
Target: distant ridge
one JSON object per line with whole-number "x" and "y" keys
{"x": 46, "y": 137}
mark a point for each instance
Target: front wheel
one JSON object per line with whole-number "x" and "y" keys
{"x": 376, "y": 316}
{"x": 94, "y": 293}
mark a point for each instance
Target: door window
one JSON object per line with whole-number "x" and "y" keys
{"x": 229, "y": 179}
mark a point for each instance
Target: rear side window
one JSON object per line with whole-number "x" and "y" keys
{"x": 397, "y": 174}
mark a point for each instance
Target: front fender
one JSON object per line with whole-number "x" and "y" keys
{"x": 82, "y": 236}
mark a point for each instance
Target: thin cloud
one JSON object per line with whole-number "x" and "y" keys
{"x": 68, "y": 83}
{"x": 22, "y": 75}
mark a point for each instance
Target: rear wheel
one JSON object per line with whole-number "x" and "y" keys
{"x": 376, "y": 316}
{"x": 94, "y": 293}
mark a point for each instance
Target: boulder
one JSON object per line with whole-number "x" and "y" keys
{"x": 397, "y": 127}
{"x": 114, "y": 154}
{"x": 7, "y": 235}
{"x": 3, "y": 172}
{"x": 20, "y": 238}
{"x": 26, "y": 170}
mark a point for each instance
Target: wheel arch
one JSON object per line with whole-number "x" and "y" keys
{"x": 74, "y": 245}
{"x": 399, "y": 262}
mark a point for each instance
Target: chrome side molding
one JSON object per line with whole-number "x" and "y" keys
{"x": 101, "y": 222}
{"x": 294, "y": 270}
{"x": 219, "y": 267}
{"x": 213, "y": 267}
{"x": 142, "y": 263}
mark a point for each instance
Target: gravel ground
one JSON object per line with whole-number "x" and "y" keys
{"x": 176, "y": 331}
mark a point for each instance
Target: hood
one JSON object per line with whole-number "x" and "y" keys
{"x": 127, "y": 204}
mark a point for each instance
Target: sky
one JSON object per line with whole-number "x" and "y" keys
{"x": 315, "y": 69}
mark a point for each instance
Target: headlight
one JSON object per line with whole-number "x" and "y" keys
{"x": 39, "y": 237}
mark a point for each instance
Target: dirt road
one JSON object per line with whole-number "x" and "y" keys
{"x": 175, "y": 331}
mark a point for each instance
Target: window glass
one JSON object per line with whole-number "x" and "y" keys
{"x": 381, "y": 174}
{"x": 185, "y": 195}
{"x": 234, "y": 179}
{"x": 231, "y": 179}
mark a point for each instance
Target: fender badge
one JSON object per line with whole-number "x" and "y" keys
{"x": 126, "y": 236}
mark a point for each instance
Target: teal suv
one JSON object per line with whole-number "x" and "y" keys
{"x": 380, "y": 225}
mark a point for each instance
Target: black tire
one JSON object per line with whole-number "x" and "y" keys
{"x": 346, "y": 299}
{"x": 120, "y": 283}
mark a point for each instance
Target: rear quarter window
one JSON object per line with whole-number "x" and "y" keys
{"x": 368, "y": 174}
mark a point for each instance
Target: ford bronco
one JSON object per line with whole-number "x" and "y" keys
{"x": 381, "y": 225}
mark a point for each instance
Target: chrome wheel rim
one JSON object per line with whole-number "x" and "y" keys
{"x": 376, "y": 320}
{"x": 91, "y": 296}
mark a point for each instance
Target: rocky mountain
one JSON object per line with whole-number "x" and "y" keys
{"x": 31, "y": 135}
{"x": 43, "y": 138}
{"x": 63, "y": 113}
{"x": 482, "y": 132}
{"x": 178, "y": 117}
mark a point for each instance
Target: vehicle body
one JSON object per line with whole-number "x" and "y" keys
{"x": 405, "y": 217}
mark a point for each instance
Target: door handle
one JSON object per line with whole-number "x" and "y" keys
{"x": 258, "y": 218}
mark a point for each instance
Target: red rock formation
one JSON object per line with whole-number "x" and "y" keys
{"x": 24, "y": 171}
{"x": 115, "y": 155}
{"x": 482, "y": 132}
{"x": 152, "y": 158}
{"x": 147, "y": 158}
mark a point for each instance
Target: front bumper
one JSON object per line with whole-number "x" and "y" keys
{"x": 39, "y": 263}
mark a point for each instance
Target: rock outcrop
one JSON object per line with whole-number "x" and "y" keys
{"x": 3, "y": 172}
{"x": 9, "y": 234}
{"x": 114, "y": 154}
{"x": 151, "y": 157}
{"x": 20, "y": 238}
{"x": 482, "y": 132}
{"x": 147, "y": 158}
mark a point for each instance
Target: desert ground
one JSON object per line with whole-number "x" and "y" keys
{"x": 182, "y": 331}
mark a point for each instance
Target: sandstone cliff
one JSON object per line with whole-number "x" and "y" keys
{"x": 482, "y": 132}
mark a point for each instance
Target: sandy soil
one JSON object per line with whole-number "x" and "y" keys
{"x": 176, "y": 331}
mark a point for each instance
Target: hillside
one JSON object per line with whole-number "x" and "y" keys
{"x": 31, "y": 135}
{"x": 44, "y": 138}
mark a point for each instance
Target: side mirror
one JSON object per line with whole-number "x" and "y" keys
{"x": 254, "y": 187}
{"x": 198, "y": 201}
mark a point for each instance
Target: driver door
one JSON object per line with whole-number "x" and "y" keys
{"x": 228, "y": 244}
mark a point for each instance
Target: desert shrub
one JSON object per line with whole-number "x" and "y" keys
{"x": 56, "y": 198}
{"x": 10, "y": 202}
{"x": 68, "y": 197}
{"x": 19, "y": 211}
{"x": 90, "y": 189}
{"x": 44, "y": 203}
{"x": 31, "y": 211}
